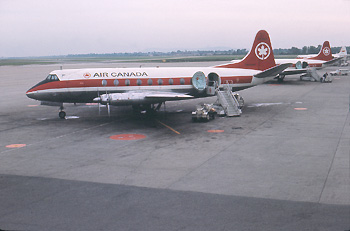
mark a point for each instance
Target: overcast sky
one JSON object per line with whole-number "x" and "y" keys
{"x": 50, "y": 27}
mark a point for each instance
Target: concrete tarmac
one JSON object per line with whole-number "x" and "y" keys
{"x": 282, "y": 165}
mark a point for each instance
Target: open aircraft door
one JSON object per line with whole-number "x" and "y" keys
{"x": 213, "y": 83}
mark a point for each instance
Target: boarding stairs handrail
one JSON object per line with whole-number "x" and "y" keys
{"x": 228, "y": 101}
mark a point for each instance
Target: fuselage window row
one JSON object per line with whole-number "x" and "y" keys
{"x": 127, "y": 81}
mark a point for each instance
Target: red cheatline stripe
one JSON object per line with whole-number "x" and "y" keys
{"x": 133, "y": 82}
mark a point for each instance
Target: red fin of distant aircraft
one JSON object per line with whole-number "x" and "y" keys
{"x": 260, "y": 57}
{"x": 325, "y": 53}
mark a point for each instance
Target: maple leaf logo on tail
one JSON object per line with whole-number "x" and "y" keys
{"x": 262, "y": 51}
{"x": 326, "y": 51}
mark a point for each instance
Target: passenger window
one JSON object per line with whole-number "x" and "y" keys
{"x": 160, "y": 82}
{"x": 182, "y": 81}
{"x": 150, "y": 81}
{"x": 127, "y": 82}
{"x": 139, "y": 82}
{"x": 171, "y": 81}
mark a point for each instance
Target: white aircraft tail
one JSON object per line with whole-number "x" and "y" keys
{"x": 343, "y": 52}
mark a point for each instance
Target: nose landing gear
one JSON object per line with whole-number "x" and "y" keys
{"x": 62, "y": 114}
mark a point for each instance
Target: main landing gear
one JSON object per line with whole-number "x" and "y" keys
{"x": 280, "y": 78}
{"x": 62, "y": 114}
{"x": 148, "y": 109}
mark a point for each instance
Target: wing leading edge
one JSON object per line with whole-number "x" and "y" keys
{"x": 130, "y": 98}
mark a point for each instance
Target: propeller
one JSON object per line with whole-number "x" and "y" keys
{"x": 108, "y": 106}
{"x": 99, "y": 103}
{"x": 104, "y": 99}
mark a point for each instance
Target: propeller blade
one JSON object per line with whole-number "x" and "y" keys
{"x": 99, "y": 103}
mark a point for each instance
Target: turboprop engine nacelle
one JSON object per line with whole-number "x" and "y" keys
{"x": 120, "y": 98}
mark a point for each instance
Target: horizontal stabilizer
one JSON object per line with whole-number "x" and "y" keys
{"x": 273, "y": 71}
{"x": 333, "y": 61}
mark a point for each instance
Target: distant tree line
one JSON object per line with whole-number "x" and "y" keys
{"x": 158, "y": 54}
{"x": 305, "y": 50}
{"x": 280, "y": 51}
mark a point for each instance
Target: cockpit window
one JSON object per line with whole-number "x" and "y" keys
{"x": 52, "y": 78}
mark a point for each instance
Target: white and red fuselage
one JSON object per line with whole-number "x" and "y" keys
{"x": 311, "y": 61}
{"x": 83, "y": 85}
{"x": 127, "y": 86}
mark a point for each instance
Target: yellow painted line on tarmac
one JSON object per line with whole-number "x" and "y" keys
{"x": 215, "y": 131}
{"x": 16, "y": 145}
{"x": 172, "y": 129}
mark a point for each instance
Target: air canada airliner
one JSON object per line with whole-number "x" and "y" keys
{"x": 342, "y": 53}
{"x": 305, "y": 63}
{"x": 148, "y": 86}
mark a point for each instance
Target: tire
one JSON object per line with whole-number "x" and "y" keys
{"x": 62, "y": 114}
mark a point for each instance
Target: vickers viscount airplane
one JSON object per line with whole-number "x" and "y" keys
{"x": 324, "y": 54}
{"x": 342, "y": 53}
{"x": 309, "y": 63}
{"x": 148, "y": 86}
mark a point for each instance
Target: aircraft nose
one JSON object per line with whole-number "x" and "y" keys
{"x": 31, "y": 94}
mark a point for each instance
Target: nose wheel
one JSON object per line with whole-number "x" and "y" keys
{"x": 62, "y": 114}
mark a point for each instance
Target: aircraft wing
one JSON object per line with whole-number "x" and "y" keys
{"x": 293, "y": 71}
{"x": 333, "y": 61}
{"x": 142, "y": 97}
{"x": 166, "y": 96}
{"x": 273, "y": 71}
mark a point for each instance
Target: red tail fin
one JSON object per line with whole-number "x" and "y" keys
{"x": 260, "y": 57}
{"x": 325, "y": 53}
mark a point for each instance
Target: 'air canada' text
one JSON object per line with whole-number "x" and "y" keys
{"x": 120, "y": 74}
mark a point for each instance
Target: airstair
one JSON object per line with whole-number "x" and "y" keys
{"x": 228, "y": 101}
